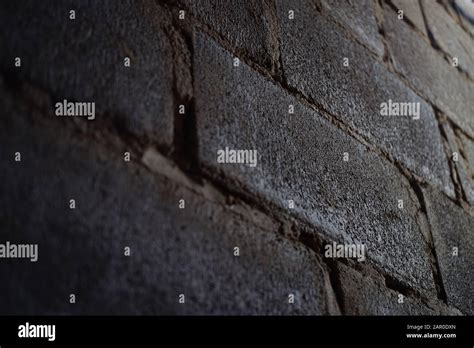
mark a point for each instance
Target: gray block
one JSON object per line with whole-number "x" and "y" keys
{"x": 245, "y": 24}
{"x": 300, "y": 158}
{"x": 359, "y": 17}
{"x": 368, "y": 295}
{"x": 452, "y": 228}
{"x": 449, "y": 35}
{"x": 462, "y": 146}
{"x": 313, "y": 53}
{"x": 429, "y": 72}
{"x": 412, "y": 10}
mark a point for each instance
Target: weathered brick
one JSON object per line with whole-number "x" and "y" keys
{"x": 83, "y": 59}
{"x": 368, "y": 295}
{"x": 449, "y": 35}
{"x": 313, "y": 51}
{"x": 245, "y": 24}
{"x": 429, "y": 73}
{"x": 412, "y": 10}
{"x": 451, "y": 228}
{"x": 300, "y": 158}
{"x": 359, "y": 17}
{"x": 173, "y": 250}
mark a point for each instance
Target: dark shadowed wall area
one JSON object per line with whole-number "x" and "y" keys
{"x": 134, "y": 212}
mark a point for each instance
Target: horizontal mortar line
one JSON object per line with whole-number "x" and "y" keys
{"x": 433, "y": 105}
{"x": 348, "y": 129}
{"x": 132, "y": 143}
{"x": 240, "y": 53}
{"x": 340, "y": 124}
{"x": 280, "y": 216}
{"x": 404, "y": 79}
{"x": 254, "y": 204}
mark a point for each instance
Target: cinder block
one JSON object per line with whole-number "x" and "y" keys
{"x": 412, "y": 10}
{"x": 301, "y": 158}
{"x": 368, "y": 295}
{"x": 449, "y": 35}
{"x": 429, "y": 72}
{"x": 314, "y": 53}
{"x": 359, "y": 17}
{"x": 453, "y": 238}
{"x": 247, "y": 25}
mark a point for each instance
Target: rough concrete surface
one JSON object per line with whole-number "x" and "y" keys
{"x": 224, "y": 157}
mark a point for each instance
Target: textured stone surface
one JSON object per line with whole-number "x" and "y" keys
{"x": 189, "y": 251}
{"x": 368, "y": 295}
{"x": 245, "y": 24}
{"x": 422, "y": 66}
{"x": 468, "y": 149}
{"x": 83, "y": 59}
{"x": 412, "y": 10}
{"x": 313, "y": 63}
{"x": 467, "y": 25}
{"x": 461, "y": 145}
{"x": 453, "y": 228}
{"x": 173, "y": 251}
{"x": 300, "y": 158}
{"x": 359, "y": 17}
{"x": 449, "y": 35}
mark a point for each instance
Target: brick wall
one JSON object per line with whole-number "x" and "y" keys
{"x": 300, "y": 82}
